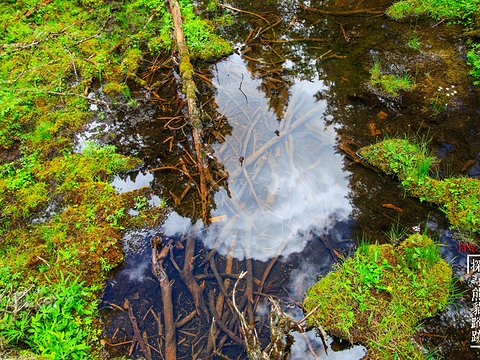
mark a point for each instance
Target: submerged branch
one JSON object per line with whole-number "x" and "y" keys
{"x": 357, "y": 12}
{"x": 187, "y": 277}
{"x": 136, "y": 331}
{"x": 245, "y": 12}
{"x": 166, "y": 288}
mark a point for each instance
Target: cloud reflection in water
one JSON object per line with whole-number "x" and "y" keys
{"x": 289, "y": 184}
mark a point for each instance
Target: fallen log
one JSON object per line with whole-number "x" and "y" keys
{"x": 194, "y": 114}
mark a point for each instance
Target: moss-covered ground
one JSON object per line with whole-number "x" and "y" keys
{"x": 61, "y": 221}
{"x": 465, "y": 12}
{"x": 378, "y": 297}
{"x": 458, "y": 197}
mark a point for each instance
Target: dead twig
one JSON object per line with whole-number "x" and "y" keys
{"x": 185, "y": 320}
{"x": 358, "y": 12}
{"x": 166, "y": 288}
{"x": 136, "y": 333}
{"x": 245, "y": 12}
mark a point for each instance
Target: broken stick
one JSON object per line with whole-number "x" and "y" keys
{"x": 166, "y": 288}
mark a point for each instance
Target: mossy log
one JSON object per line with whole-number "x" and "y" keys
{"x": 194, "y": 113}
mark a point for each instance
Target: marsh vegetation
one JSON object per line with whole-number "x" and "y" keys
{"x": 148, "y": 176}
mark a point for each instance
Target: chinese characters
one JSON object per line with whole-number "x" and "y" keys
{"x": 473, "y": 269}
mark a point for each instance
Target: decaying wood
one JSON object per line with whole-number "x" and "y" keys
{"x": 166, "y": 288}
{"x": 220, "y": 323}
{"x": 280, "y": 327}
{"x": 194, "y": 113}
{"x": 280, "y": 338}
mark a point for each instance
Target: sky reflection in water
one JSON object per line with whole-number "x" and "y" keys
{"x": 295, "y": 185}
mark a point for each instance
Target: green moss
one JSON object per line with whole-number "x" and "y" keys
{"x": 458, "y": 197}
{"x": 113, "y": 88}
{"x": 402, "y": 9}
{"x": 200, "y": 35}
{"x": 377, "y": 297}
{"x": 465, "y": 12}
{"x": 450, "y": 9}
{"x": 58, "y": 213}
{"x": 131, "y": 61}
{"x": 186, "y": 69}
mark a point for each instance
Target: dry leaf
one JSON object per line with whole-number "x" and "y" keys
{"x": 373, "y": 129}
{"x": 217, "y": 218}
{"x": 393, "y": 207}
{"x": 382, "y": 115}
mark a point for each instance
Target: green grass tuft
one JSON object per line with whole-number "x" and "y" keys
{"x": 389, "y": 84}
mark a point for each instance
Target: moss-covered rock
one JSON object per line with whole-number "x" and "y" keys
{"x": 459, "y": 197}
{"x": 377, "y": 297}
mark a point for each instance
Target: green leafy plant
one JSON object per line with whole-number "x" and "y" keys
{"x": 55, "y": 319}
{"x": 473, "y": 59}
{"x": 141, "y": 202}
